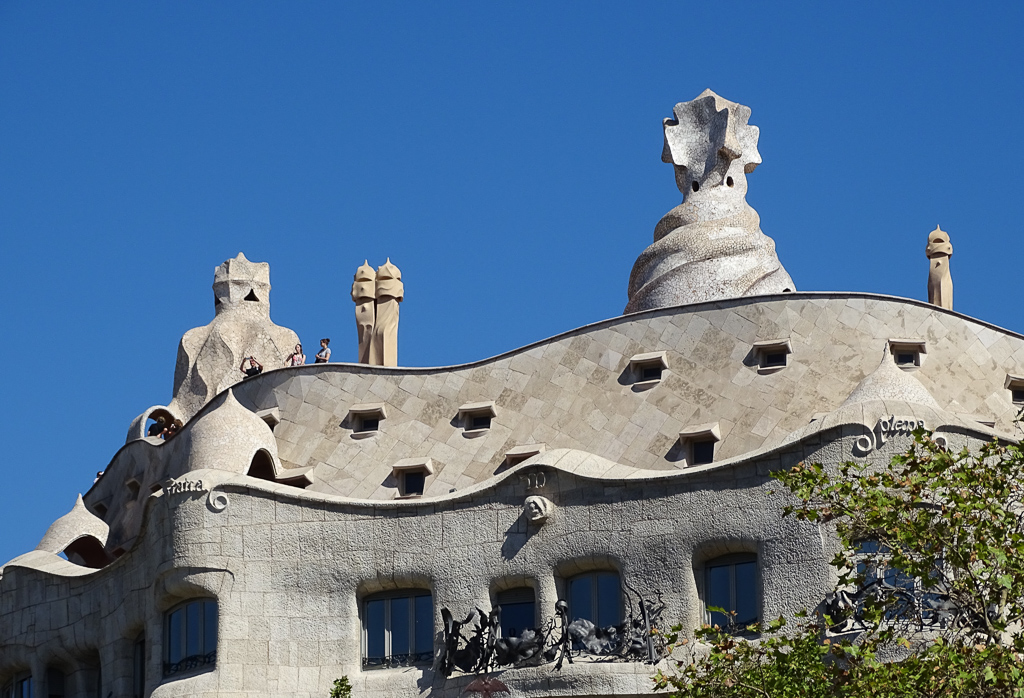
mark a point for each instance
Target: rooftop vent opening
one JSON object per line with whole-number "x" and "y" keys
{"x": 515, "y": 456}
{"x": 100, "y": 510}
{"x": 907, "y": 353}
{"x": 155, "y": 487}
{"x": 476, "y": 417}
{"x": 728, "y": 181}
{"x": 648, "y": 369}
{"x": 698, "y": 443}
{"x": 262, "y": 466}
{"x": 702, "y": 451}
{"x": 133, "y": 488}
{"x": 87, "y": 551}
{"x": 695, "y": 186}
{"x": 252, "y": 296}
{"x": 365, "y": 419}
{"x": 1015, "y": 384}
{"x": 772, "y": 354}
{"x": 411, "y": 476}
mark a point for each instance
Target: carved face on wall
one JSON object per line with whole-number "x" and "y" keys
{"x": 537, "y": 509}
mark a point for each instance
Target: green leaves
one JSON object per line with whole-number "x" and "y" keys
{"x": 933, "y": 557}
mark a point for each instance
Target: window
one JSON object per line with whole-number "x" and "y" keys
{"x": 907, "y": 599}
{"x": 517, "y": 455}
{"x": 703, "y": 451}
{"x": 772, "y": 354}
{"x": 698, "y": 443}
{"x": 518, "y": 610}
{"x": 907, "y": 353}
{"x": 731, "y": 583}
{"x": 596, "y": 597}
{"x": 398, "y": 629}
{"x": 190, "y": 639}
{"x": 411, "y": 475}
{"x": 1015, "y": 384}
{"x": 18, "y": 687}
{"x": 55, "y": 683}
{"x": 139, "y": 667}
{"x": 476, "y": 417}
{"x": 648, "y": 368}
{"x": 365, "y": 419}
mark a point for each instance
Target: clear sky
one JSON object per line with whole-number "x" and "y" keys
{"x": 507, "y": 156}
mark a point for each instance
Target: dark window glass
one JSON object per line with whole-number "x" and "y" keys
{"x": 209, "y": 625}
{"x": 191, "y": 636}
{"x": 596, "y": 597}
{"x": 906, "y": 358}
{"x": 424, "y": 620}
{"x": 776, "y": 358}
{"x": 138, "y": 669}
{"x": 368, "y": 424}
{"x": 1018, "y": 394}
{"x": 400, "y": 625}
{"x": 23, "y": 688}
{"x": 650, "y": 373}
{"x": 55, "y": 683}
{"x": 414, "y": 482}
{"x": 731, "y": 583}
{"x": 480, "y": 421}
{"x": 398, "y": 630}
{"x": 174, "y": 635}
{"x": 518, "y": 611}
{"x": 374, "y": 633}
{"x": 193, "y": 628}
{"x": 703, "y": 452}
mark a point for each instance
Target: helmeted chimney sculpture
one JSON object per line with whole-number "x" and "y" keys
{"x": 364, "y": 293}
{"x": 711, "y": 245}
{"x": 377, "y": 295}
{"x": 940, "y": 283}
{"x": 390, "y": 293}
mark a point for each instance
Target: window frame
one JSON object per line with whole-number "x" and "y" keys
{"x": 512, "y": 591}
{"x": 594, "y": 616}
{"x": 732, "y": 560}
{"x": 417, "y": 656}
{"x": 18, "y": 681}
{"x": 205, "y": 658}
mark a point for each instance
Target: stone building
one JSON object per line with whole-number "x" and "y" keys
{"x": 335, "y": 519}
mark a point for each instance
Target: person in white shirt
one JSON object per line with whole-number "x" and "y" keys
{"x": 324, "y": 355}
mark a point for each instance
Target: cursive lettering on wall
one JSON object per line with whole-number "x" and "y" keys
{"x": 885, "y": 428}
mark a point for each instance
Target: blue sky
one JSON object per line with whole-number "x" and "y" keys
{"x": 505, "y": 155}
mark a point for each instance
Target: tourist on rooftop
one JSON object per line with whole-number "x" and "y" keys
{"x": 297, "y": 358}
{"x": 255, "y": 367}
{"x": 324, "y": 355}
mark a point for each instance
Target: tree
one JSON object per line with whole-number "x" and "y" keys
{"x": 930, "y": 599}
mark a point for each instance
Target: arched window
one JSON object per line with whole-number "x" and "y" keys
{"x": 518, "y": 610}
{"x": 190, "y": 636}
{"x": 398, "y": 628}
{"x": 731, "y": 583}
{"x": 597, "y": 597}
{"x": 18, "y": 687}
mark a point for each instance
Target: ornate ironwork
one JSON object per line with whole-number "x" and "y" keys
{"x": 475, "y": 645}
{"x": 397, "y": 660}
{"x": 191, "y": 662}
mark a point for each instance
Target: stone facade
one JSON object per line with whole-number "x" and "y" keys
{"x": 303, "y": 515}
{"x": 289, "y": 566}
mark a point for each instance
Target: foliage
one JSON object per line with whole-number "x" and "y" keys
{"x": 931, "y": 575}
{"x": 342, "y": 688}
